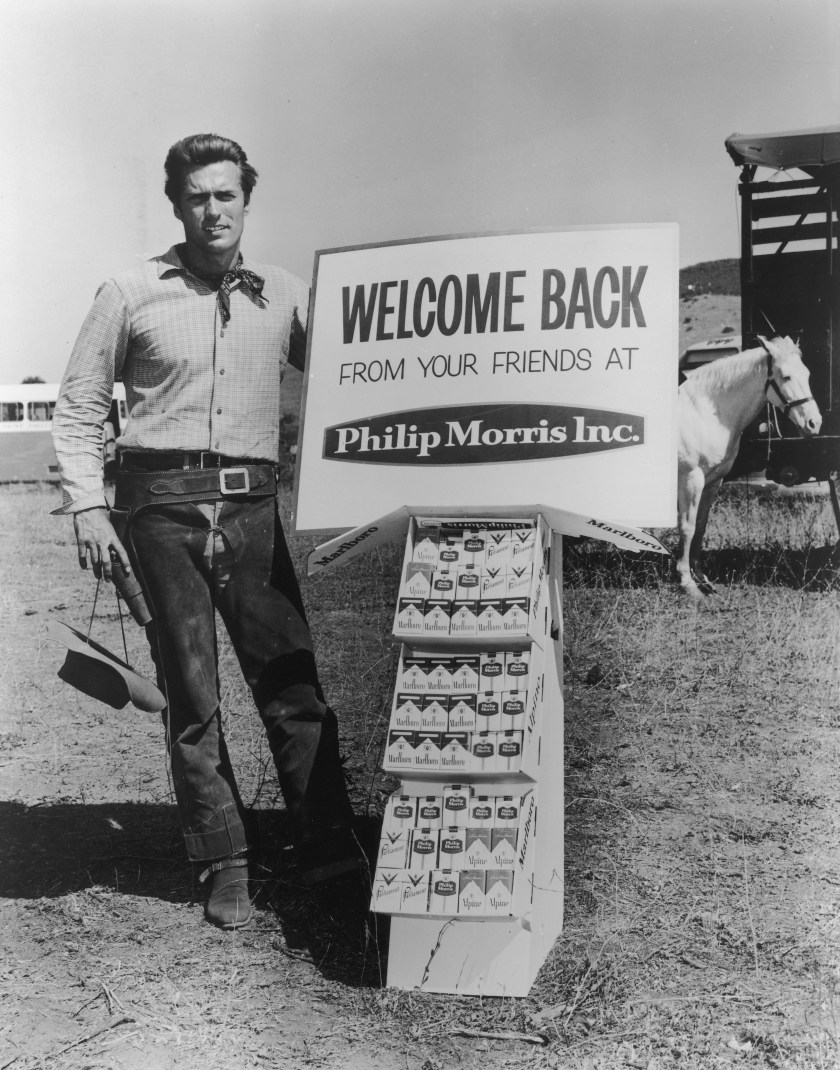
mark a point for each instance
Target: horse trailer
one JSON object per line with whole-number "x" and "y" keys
{"x": 790, "y": 285}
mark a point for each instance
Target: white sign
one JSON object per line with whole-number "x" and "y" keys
{"x": 494, "y": 370}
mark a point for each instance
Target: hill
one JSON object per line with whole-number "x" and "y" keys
{"x": 711, "y": 277}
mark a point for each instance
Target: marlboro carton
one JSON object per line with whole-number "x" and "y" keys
{"x": 455, "y": 752}
{"x": 400, "y": 813}
{"x": 443, "y": 584}
{"x": 518, "y": 581}
{"x": 471, "y": 894}
{"x": 464, "y": 620}
{"x": 509, "y": 751}
{"x": 462, "y": 712}
{"x": 443, "y": 897}
{"x": 436, "y": 616}
{"x": 386, "y": 892}
{"x": 465, "y": 672}
{"x": 492, "y": 584}
{"x": 499, "y": 891}
{"x": 425, "y": 549}
{"x": 491, "y": 671}
{"x": 503, "y": 847}
{"x": 399, "y": 753}
{"x": 490, "y": 617}
{"x": 427, "y": 750}
{"x": 483, "y": 752}
{"x": 434, "y": 713}
{"x": 497, "y": 550}
{"x": 406, "y": 712}
{"x": 474, "y": 540}
{"x": 417, "y": 582}
{"x": 452, "y": 847}
{"x": 423, "y": 849}
{"x": 413, "y": 673}
{"x": 468, "y": 585}
{"x": 478, "y": 853}
{"x": 456, "y": 801}
{"x": 513, "y": 711}
{"x": 410, "y": 616}
{"x": 482, "y": 811}
{"x": 515, "y": 613}
{"x": 506, "y": 811}
{"x": 517, "y": 667}
{"x": 430, "y": 811}
{"x": 393, "y": 849}
{"x": 415, "y": 892}
{"x": 522, "y": 545}
{"x": 439, "y": 677}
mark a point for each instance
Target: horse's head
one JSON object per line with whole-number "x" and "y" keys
{"x": 788, "y": 385}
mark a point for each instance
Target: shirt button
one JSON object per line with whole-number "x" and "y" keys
{"x": 222, "y": 371}
{"x": 218, "y": 412}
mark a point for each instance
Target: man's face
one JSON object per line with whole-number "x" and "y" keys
{"x": 212, "y": 208}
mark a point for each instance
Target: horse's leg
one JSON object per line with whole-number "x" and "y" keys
{"x": 707, "y": 500}
{"x": 691, "y": 483}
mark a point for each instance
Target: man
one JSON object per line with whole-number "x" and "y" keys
{"x": 201, "y": 338}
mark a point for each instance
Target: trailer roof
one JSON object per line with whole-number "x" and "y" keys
{"x": 809, "y": 150}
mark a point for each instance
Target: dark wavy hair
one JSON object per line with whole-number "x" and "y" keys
{"x": 198, "y": 150}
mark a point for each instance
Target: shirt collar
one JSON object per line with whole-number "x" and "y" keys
{"x": 172, "y": 264}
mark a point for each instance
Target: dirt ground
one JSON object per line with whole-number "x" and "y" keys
{"x": 702, "y": 840}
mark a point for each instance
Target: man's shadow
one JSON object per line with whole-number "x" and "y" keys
{"x": 137, "y": 849}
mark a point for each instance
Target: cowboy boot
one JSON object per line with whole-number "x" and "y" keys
{"x": 228, "y": 904}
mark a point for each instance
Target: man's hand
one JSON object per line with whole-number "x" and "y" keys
{"x": 96, "y": 539}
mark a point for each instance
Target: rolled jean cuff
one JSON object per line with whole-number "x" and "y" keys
{"x": 221, "y": 839}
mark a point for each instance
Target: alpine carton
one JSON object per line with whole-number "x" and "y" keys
{"x": 498, "y": 897}
{"x": 471, "y": 892}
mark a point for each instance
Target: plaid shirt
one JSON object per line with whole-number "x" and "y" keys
{"x": 191, "y": 383}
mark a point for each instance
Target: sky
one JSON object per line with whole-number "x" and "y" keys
{"x": 378, "y": 120}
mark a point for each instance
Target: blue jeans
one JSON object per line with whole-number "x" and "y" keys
{"x": 231, "y": 556}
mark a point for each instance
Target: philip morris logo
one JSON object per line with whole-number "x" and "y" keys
{"x": 482, "y": 434}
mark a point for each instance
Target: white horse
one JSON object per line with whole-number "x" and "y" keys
{"x": 715, "y": 404}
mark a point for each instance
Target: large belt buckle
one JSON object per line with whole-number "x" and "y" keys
{"x": 234, "y": 480}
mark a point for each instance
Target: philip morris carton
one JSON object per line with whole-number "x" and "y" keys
{"x": 483, "y": 751}
{"x": 513, "y": 710}
{"x": 507, "y": 810}
{"x": 423, "y": 849}
{"x": 491, "y": 671}
{"x": 471, "y": 894}
{"x": 443, "y": 899}
{"x": 400, "y": 813}
{"x": 456, "y": 801}
{"x": 469, "y": 582}
{"x": 430, "y": 811}
{"x": 443, "y": 584}
{"x": 517, "y": 668}
{"x": 474, "y": 541}
{"x": 451, "y": 847}
{"x": 481, "y": 811}
{"x": 509, "y": 751}
{"x": 488, "y": 713}
{"x": 451, "y": 551}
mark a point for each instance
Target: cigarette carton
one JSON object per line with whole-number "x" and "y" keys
{"x": 518, "y": 581}
{"x": 465, "y": 672}
{"x": 386, "y": 892}
{"x": 462, "y": 712}
{"x": 413, "y": 673}
{"x": 415, "y": 892}
{"x": 437, "y": 613}
{"x": 506, "y": 811}
{"x": 499, "y": 891}
{"x": 427, "y": 750}
{"x": 478, "y": 853}
{"x": 517, "y": 667}
{"x": 489, "y": 712}
{"x": 399, "y": 753}
{"x": 490, "y": 620}
{"x": 443, "y": 584}
{"x": 514, "y": 614}
{"x": 452, "y": 847}
{"x": 474, "y": 541}
{"x": 417, "y": 581}
{"x": 503, "y": 847}
{"x": 497, "y": 550}
{"x": 522, "y": 545}
{"x": 492, "y": 584}
{"x": 393, "y": 849}
{"x": 400, "y": 813}
{"x": 483, "y": 752}
{"x": 410, "y": 616}
{"x": 406, "y": 712}
{"x": 471, "y": 892}
{"x": 430, "y": 811}
{"x": 513, "y": 711}
{"x": 425, "y": 549}
{"x": 464, "y": 620}
{"x": 456, "y": 801}
{"x": 423, "y": 849}
{"x": 509, "y": 751}
{"x": 451, "y": 551}
{"x": 455, "y": 752}
{"x": 443, "y": 898}
{"x": 468, "y": 584}
{"x": 491, "y": 671}
{"x": 434, "y": 713}
{"x": 439, "y": 676}
{"x": 482, "y": 811}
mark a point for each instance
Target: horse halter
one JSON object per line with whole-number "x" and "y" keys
{"x": 785, "y": 406}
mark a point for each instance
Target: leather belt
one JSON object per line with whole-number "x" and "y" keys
{"x": 164, "y": 460}
{"x": 135, "y": 491}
